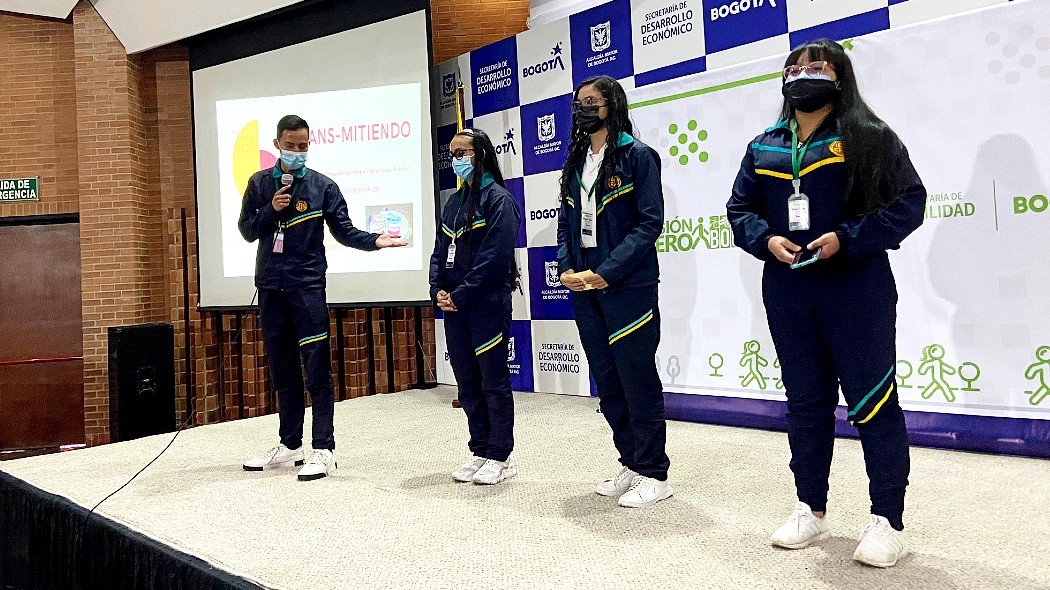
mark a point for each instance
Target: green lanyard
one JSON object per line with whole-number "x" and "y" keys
{"x": 797, "y": 154}
{"x": 590, "y": 191}
{"x": 455, "y": 219}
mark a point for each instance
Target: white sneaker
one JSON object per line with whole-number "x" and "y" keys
{"x": 279, "y": 456}
{"x": 493, "y": 472}
{"x": 466, "y": 472}
{"x": 645, "y": 491}
{"x": 618, "y": 485}
{"x": 320, "y": 463}
{"x": 881, "y": 545}
{"x": 802, "y": 529}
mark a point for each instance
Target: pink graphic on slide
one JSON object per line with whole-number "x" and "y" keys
{"x": 266, "y": 159}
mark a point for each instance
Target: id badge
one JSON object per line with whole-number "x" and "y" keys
{"x": 798, "y": 212}
{"x": 588, "y": 223}
{"x": 278, "y": 242}
{"x": 451, "y": 259}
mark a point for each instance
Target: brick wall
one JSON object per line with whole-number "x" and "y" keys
{"x": 460, "y": 26}
{"x": 38, "y": 102}
{"x": 119, "y": 228}
{"x": 112, "y": 139}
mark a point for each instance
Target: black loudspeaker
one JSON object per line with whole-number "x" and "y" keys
{"x": 141, "y": 381}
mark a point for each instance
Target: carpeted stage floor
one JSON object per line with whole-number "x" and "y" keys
{"x": 391, "y": 517}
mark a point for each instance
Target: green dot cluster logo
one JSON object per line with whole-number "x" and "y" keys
{"x": 687, "y": 141}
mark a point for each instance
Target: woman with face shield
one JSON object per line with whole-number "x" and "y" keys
{"x": 820, "y": 198}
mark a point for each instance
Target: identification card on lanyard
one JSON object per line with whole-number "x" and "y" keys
{"x": 450, "y": 260}
{"x": 588, "y": 223}
{"x": 798, "y": 202}
{"x": 587, "y": 216}
{"x": 278, "y": 242}
{"x": 798, "y": 209}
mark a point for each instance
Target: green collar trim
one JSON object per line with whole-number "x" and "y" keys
{"x": 781, "y": 124}
{"x": 278, "y": 171}
{"x": 486, "y": 179}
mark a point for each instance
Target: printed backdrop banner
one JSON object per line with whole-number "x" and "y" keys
{"x": 973, "y": 332}
{"x": 970, "y": 97}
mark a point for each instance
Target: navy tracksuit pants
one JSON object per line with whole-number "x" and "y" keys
{"x": 477, "y": 349}
{"x": 295, "y": 324}
{"x": 620, "y": 331}
{"x": 836, "y": 326}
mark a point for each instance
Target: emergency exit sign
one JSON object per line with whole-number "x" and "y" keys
{"x": 20, "y": 189}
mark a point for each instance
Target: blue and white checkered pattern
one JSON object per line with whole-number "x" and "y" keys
{"x": 519, "y": 91}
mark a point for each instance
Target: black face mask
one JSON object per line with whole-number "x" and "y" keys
{"x": 587, "y": 119}
{"x": 810, "y": 94}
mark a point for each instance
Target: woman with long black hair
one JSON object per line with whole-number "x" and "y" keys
{"x": 820, "y": 197}
{"x": 612, "y": 210}
{"x": 472, "y": 273}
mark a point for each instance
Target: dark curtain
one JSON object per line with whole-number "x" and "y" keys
{"x": 47, "y": 542}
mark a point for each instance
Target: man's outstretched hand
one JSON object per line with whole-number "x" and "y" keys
{"x": 385, "y": 241}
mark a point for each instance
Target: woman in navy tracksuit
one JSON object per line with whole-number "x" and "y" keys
{"x": 832, "y": 175}
{"x": 472, "y": 273}
{"x": 611, "y": 214}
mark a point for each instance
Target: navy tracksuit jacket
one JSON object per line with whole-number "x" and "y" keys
{"x": 292, "y": 303}
{"x": 620, "y": 325}
{"x": 480, "y": 283}
{"x": 833, "y": 322}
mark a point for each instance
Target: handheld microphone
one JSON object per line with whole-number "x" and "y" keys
{"x": 286, "y": 180}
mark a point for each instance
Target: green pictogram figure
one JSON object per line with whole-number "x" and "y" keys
{"x": 934, "y": 365}
{"x": 700, "y": 231}
{"x": 716, "y": 362}
{"x": 778, "y": 383}
{"x": 753, "y": 362}
{"x": 969, "y": 372}
{"x": 1041, "y": 370}
{"x": 904, "y": 373}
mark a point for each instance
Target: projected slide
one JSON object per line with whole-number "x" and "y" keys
{"x": 370, "y": 132}
{"x": 367, "y": 140}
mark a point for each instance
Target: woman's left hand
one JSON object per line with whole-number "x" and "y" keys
{"x": 596, "y": 281}
{"x": 444, "y": 301}
{"x": 829, "y": 242}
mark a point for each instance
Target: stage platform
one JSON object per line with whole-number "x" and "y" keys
{"x": 391, "y": 517}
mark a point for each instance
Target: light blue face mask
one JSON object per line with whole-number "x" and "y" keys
{"x": 463, "y": 167}
{"x": 293, "y": 160}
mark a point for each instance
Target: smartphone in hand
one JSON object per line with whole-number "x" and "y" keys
{"x": 806, "y": 257}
